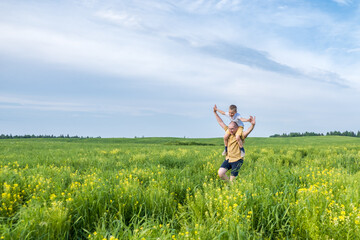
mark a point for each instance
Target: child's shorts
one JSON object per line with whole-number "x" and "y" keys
{"x": 238, "y": 132}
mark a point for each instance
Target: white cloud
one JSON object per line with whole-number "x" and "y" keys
{"x": 343, "y": 2}
{"x": 11, "y": 102}
{"x": 154, "y": 59}
{"x": 122, "y": 18}
{"x": 134, "y": 55}
{"x": 209, "y": 7}
{"x": 88, "y": 106}
{"x": 124, "y": 57}
{"x": 354, "y": 50}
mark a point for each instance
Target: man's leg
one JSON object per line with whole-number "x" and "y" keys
{"x": 222, "y": 174}
{"x": 235, "y": 167}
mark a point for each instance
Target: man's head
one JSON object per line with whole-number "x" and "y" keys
{"x": 233, "y": 127}
{"x": 232, "y": 110}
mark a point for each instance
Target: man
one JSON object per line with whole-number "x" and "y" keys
{"x": 233, "y": 159}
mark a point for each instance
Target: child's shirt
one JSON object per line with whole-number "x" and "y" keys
{"x": 236, "y": 119}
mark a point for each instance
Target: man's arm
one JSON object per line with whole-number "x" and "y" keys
{"x": 220, "y": 111}
{"x": 219, "y": 120}
{"x": 248, "y": 131}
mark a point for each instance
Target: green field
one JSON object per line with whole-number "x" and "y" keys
{"x": 168, "y": 188}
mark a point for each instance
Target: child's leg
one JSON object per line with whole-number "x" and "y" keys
{"x": 239, "y": 140}
{"x": 226, "y": 138}
{"x": 238, "y": 135}
{"x": 241, "y": 145}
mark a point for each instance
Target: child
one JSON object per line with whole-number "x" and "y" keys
{"x": 235, "y": 117}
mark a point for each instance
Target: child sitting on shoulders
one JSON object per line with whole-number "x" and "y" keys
{"x": 234, "y": 117}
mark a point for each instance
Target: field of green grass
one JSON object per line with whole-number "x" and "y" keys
{"x": 168, "y": 188}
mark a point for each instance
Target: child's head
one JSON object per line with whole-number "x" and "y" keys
{"x": 232, "y": 110}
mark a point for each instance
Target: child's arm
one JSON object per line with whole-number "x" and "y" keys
{"x": 245, "y": 119}
{"x": 220, "y": 111}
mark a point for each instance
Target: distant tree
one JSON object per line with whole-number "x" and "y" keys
{"x": 275, "y": 135}
{"x": 9, "y": 136}
{"x": 334, "y": 133}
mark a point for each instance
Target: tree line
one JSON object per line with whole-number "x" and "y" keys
{"x": 333, "y": 133}
{"x": 10, "y": 136}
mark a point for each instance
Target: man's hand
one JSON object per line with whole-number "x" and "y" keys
{"x": 215, "y": 108}
{"x": 252, "y": 120}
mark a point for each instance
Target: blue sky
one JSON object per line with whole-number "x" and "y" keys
{"x": 156, "y": 68}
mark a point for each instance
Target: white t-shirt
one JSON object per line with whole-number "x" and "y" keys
{"x": 236, "y": 119}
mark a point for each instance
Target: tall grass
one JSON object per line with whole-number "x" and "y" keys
{"x": 150, "y": 188}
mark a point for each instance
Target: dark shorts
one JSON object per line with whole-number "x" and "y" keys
{"x": 234, "y": 166}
